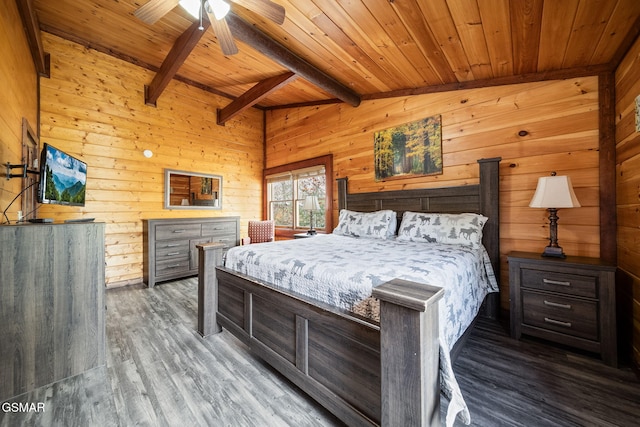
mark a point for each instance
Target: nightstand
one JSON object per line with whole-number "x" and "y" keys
{"x": 570, "y": 301}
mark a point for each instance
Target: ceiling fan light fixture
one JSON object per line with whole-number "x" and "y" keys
{"x": 192, "y": 7}
{"x": 220, "y": 8}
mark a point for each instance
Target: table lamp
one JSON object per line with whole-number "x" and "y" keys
{"x": 554, "y": 192}
{"x": 311, "y": 204}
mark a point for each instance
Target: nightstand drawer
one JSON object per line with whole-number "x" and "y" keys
{"x": 571, "y": 284}
{"x": 561, "y": 314}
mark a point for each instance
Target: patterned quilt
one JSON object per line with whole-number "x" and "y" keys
{"x": 342, "y": 271}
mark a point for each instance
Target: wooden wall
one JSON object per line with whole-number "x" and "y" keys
{"x": 560, "y": 119}
{"x": 628, "y": 196}
{"x": 93, "y": 108}
{"x": 17, "y": 100}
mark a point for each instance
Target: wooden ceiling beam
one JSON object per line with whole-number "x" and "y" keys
{"x": 250, "y": 35}
{"x": 41, "y": 59}
{"x": 174, "y": 60}
{"x": 254, "y": 95}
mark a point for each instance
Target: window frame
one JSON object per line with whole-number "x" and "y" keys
{"x": 327, "y": 162}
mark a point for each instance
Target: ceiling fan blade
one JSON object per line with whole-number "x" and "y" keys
{"x": 266, "y": 8}
{"x": 223, "y": 33}
{"x": 154, "y": 10}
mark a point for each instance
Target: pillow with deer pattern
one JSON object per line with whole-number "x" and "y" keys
{"x": 460, "y": 229}
{"x": 371, "y": 225}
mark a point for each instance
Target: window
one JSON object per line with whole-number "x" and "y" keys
{"x": 288, "y": 186}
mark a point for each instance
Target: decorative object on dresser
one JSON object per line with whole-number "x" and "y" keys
{"x": 170, "y": 244}
{"x": 52, "y": 309}
{"x": 570, "y": 301}
{"x": 554, "y": 192}
{"x": 311, "y": 204}
{"x": 260, "y": 232}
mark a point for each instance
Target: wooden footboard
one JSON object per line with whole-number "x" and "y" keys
{"x": 334, "y": 356}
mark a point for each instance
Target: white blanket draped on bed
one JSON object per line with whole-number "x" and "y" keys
{"x": 341, "y": 271}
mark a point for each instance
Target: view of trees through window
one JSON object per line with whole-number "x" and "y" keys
{"x": 287, "y": 193}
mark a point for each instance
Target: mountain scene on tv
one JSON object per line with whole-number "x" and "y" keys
{"x": 66, "y": 178}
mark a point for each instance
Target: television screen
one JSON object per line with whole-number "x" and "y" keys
{"x": 63, "y": 178}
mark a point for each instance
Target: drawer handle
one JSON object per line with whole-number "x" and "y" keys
{"x": 179, "y": 231}
{"x": 174, "y": 266}
{"x": 555, "y": 304}
{"x": 173, "y": 254}
{"x": 557, "y": 322}
{"x": 555, "y": 282}
{"x": 173, "y": 245}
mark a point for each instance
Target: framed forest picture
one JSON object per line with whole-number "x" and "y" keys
{"x": 411, "y": 149}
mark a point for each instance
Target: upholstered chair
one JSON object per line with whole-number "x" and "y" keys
{"x": 260, "y": 232}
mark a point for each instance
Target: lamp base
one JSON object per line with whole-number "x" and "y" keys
{"x": 311, "y": 232}
{"x": 555, "y": 252}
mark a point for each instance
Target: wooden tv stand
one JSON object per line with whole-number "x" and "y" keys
{"x": 52, "y": 307}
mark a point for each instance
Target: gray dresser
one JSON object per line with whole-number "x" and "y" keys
{"x": 52, "y": 308}
{"x": 170, "y": 244}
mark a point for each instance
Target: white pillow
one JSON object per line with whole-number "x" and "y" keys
{"x": 372, "y": 225}
{"x": 460, "y": 229}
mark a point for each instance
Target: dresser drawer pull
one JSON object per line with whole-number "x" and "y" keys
{"x": 555, "y": 304}
{"x": 173, "y": 253}
{"x": 173, "y": 245}
{"x": 557, "y": 322}
{"x": 555, "y": 282}
{"x": 179, "y": 231}
{"x": 178, "y": 265}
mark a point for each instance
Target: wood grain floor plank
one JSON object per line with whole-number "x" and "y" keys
{"x": 160, "y": 372}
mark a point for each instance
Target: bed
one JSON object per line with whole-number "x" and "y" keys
{"x": 381, "y": 371}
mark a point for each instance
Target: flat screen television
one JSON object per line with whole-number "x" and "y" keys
{"x": 63, "y": 178}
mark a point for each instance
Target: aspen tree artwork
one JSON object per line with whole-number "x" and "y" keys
{"x": 410, "y": 149}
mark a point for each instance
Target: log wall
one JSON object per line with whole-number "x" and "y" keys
{"x": 536, "y": 128}
{"x": 93, "y": 107}
{"x": 628, "y": 198}
{"x": 19, "y": 99}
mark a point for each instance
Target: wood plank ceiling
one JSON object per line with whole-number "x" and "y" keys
{"x": 373, "y": 48}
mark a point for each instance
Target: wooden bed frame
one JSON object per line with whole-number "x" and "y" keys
{"x": 363, "y": 372}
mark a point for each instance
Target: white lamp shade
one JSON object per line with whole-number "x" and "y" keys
{"x": 554, "y": 192}
{"x": 311, "y": 203}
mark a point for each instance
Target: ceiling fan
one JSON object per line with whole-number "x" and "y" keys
{"x": 216, "y": 11}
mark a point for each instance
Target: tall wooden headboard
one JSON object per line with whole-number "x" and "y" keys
{"x": 482, "y": 198}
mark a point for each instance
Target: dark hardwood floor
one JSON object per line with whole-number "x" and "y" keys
{"x": 160, "y": 372}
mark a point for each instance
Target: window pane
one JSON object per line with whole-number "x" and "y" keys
{"x": 282, "y": 213}
{"x": 281, "y": 189}
{"x": 311, "y": 185}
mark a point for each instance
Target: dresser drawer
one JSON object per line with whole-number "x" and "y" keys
{"x": 229, "y": 240}
{"x": 172, "y": 266}
{"x": 172, "y": 249}
{"x": 175, "y": 231}
{"x": 561, "y": 314}
{"x": 570, "y": 284}
{"x": 218, "y": 228}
